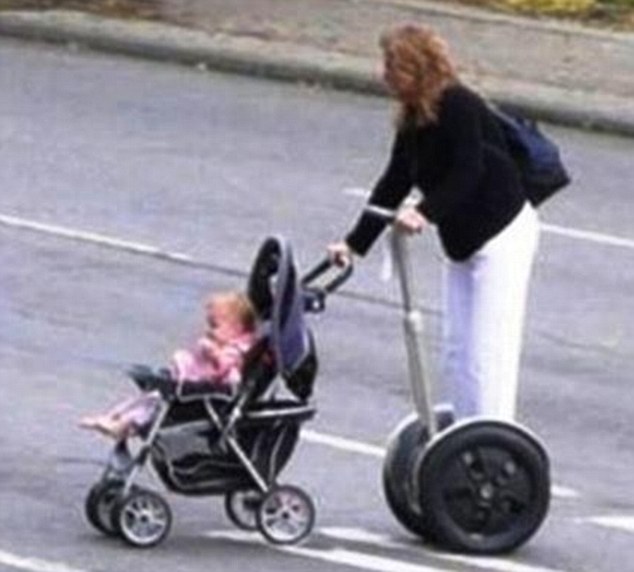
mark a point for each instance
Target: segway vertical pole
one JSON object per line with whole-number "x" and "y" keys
{"x": 412, "y": 323}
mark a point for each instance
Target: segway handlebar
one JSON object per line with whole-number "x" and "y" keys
{"x": 387, "y": 215}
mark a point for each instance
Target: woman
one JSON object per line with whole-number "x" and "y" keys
{"x": 448, "y": 144}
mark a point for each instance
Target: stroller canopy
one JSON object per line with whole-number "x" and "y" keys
{"x": 275, "y": 292}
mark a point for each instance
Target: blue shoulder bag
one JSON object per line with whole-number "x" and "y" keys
{"x": 537, "y": 157}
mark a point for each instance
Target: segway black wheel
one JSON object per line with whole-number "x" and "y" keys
{"x": 286, "y": 515}
{"x": 142, "y": 517}
{"x": 404, "y": 446}
{"x": 242, "y": 506}
{"x": 99, "y": 503}
{"x": 484, "y": 487}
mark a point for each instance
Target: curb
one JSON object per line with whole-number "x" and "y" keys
{"x": 301, "y": 63}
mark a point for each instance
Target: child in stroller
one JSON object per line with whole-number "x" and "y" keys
{"x": 216, "y": 360}
{"x": 200, "y": 442}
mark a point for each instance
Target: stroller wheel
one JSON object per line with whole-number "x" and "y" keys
{"x": 404, "y": 447}
{"x": 98, "y": 506}
{"x": 286, "y": 515}
{"x": 143, "y": 518}
{"x": 485, "y": 486}
{"x": 242, "y": 506}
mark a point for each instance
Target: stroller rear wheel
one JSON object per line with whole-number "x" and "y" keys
{"x": 286, "y": 515}
{"x": 99, "y": 503}
{"x": 242, "y": 506}
{"x": 142, "y": 517}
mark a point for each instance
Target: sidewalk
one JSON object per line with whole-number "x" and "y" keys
{"x": 559, "y": 72}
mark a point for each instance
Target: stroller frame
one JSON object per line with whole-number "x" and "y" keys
{"x": 254, "y": 433}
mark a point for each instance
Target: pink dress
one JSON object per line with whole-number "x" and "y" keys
{"x": 220, "y": 368}
{"x": 218, "y": 365}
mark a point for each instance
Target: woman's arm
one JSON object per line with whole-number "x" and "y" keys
{"x": 389, "y": 191}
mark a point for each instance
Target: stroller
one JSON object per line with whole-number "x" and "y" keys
{"x": 202, "y": 442}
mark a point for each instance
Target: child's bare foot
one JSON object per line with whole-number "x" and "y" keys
{"x": 108, "y": 426}
{"x": 89, "y": 421}
{"x": 114, "y": 428}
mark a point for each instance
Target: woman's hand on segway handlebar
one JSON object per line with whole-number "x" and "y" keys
{"x": 407, "y": 219}
{"x": 340, "y": 253}
{"x": 410, "y": 220}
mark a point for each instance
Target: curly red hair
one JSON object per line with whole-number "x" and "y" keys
{"x": 422, "y": 55}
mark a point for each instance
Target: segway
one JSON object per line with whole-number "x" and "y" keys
{"x": 475, "y": 485}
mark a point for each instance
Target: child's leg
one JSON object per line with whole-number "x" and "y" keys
{"x": 119, "y": 421}
{"x": 125, "y": 406}
{"x": 143, "y": 410}
{"x": 93, "y": 421}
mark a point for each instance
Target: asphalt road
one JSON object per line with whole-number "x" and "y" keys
{"x": 208, "y": 165}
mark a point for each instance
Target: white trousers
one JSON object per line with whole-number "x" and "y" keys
{"x": 484, "y": 308}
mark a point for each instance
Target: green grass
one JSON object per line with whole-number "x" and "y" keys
{"x": 611, "y": 14}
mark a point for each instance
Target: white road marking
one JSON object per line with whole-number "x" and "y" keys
{"x": 363, "y": 536}
{"x": 361, "y": 560}
{"x": 487, "y": 563}
{"x": 343, "y": 444}
{"x": 340, "y": 556}
{"x": 364, "y": 561}
{"x": 564, "y": 493}
{"x": 495, "y": 564}
{"x": 625, "y": 523}
{"x": 94, "y": 238}
{"x": 144, "y": 249}
{"x": 357, "y": 192}
{"x": 588, "y": 236}
{"x": 34, "y": 564}
{"x": 352, "y": 446}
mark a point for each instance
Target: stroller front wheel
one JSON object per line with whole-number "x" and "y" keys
{"x": 286, "y": 515}
{"x": 143, "y": 518}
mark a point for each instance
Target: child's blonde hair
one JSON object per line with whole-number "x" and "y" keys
{"x": 240, "y": 304}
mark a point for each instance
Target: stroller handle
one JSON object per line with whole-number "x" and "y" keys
{"x": 315, "y": 296}
{"x": 321, "y": 268}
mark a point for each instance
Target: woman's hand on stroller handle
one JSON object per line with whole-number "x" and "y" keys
{"x": 340, "y": 254}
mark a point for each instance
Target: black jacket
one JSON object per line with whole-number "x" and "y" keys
{"x": 470, "y": 184}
